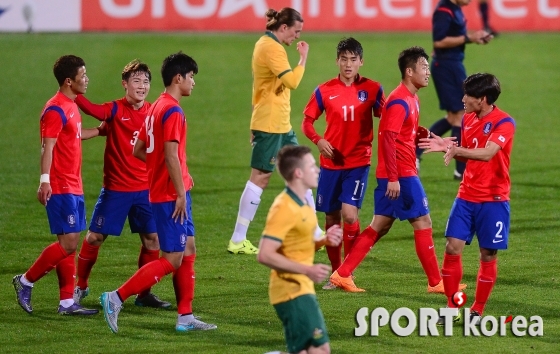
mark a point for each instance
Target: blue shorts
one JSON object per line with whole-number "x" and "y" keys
{"x": 448, "y": 77}
{"x": 341, "y": 186}
{"x": 113, "y": 207}
{"x": 66, "y": 213}
{"x": 489, "y": 220}
{"x": 172, "y": 235}
{"x": 411, "y": 203}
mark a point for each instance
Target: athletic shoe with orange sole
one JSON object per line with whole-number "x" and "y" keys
{"x": 439, "y": 289}
{"x": 346, "y": 284}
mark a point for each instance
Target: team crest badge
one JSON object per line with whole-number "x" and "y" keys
{"x": 317, "y": 333}
{"x": 100, "y": 221}
{"x": 183, "y": 239}
{"x": 487, "y": 128}
{"x": 71, "y": 220}
{"x": 425, "y": 202}
{"x": 362, "y": 95}
{"x": 273, "y": 161}
{"x": 319, "y": 199}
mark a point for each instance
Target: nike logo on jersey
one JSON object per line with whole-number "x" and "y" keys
{"x": 333, "y": 97}
{"x": 430, "y": 247}
{"x": 123, "y": 118}
{"x": 71, "y": 114}
{"x": 467, "y": 128}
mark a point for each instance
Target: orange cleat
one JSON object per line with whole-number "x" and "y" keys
{"x": 346, "y": 284}
{"x": 439, "y": 289}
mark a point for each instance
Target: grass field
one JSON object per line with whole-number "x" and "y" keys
{"x": 232, "y": 290}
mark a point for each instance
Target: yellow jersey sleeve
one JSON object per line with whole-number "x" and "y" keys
{"x": 277, "y": 60}
{"x": 280, "y": 221}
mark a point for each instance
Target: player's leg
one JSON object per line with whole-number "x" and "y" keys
{"x": 108, "y": 218}
{"x": 492, "y": 229}
{"x": 184, "y": 281}
{"x": 329, "y": 188}
{"x": 263, "y": 162}
{"x": 459, "y": 231}
{"x": 381, "y": 224}
{"x": 354, "y": 187}
{"x": 172, "y": 245}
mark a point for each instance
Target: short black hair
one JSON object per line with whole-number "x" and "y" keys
{"x": 349, "y": 45}
{"x": 409, "y": 57}
{"x": 136, "y": 66}
{"x": 66, "y": 67}
{"x": 482, "y": 85}
{"x": 289, "y": 158}
{"x": 178, "y": 63}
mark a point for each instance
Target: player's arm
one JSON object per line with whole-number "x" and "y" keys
{"x": 97, "y": 111}
{"x": 174, "y": 168}
{"x": 481, "y": 154}
{"x": 45, "y": 190}
{"x": 277, "y": 61}
{"x": 332, "y": 238}
{"x": 269, "y": 256}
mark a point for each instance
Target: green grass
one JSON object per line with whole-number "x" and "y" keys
{"x": 232, "y": 290}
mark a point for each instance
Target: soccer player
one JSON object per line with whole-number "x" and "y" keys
{"x": 450, "y": 36}
{"x": 482, "y": 203}
{"x": 288, "y": 247}
{"x": 60, "y": 189}
{"x": 125, "y": 180}
{"x": 399, "y": 193}
{"x": 162, "y": 145}
{"x": 273, "y": 79}
{"x": 349, "y": 101}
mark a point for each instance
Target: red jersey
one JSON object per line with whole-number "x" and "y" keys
{"x": 61, "y": 119}
{"x": 122, "y": 171}
{"x": 165, "y": 122}
{"x": 400, "y": 115}
{"x": 349, "y": 112}
{"x": 487, "y": 181}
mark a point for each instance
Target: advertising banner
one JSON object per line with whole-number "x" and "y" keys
{"x": 248, "y": 15}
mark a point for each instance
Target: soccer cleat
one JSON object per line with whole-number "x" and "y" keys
{"x": 76, "y": 310}
{"x": 153, "y": 301}
{"x": 23, "y": 293}
{"x": 329, "y": 285}
{"x": 441, "y": 320}
{"x": 457, "y": 176}
{"x": 80, "y": 294}
{"x": 245, "y": 247}
{"x": 475, "y": 318}
{"x": 346, "y": 284}
{"x": 194, "y": 325}
{"x": 110, "y": 310}
{"x": 439, "y": 289}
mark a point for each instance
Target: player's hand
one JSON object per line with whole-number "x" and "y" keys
{"x": 393, "y": 190}
{"x": 422, "y": 133}
{"x": 334, "y": 236}
{"x": 325, "y": 148}
{"x": 180, "y": 212}
{"x": 481, "y": 37}
{"x": 303, "y": 48}
{"x": 435, "y": 143}
{"x": 318, "y": 272}
{"x": 44, "y": 193}
{"x": 451, "y": 151}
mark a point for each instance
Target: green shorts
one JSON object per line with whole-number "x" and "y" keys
{"x": 266, "y": 147}
{"x": 304, "y": 325}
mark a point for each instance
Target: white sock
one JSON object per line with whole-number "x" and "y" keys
{"x": 185, "y": 318}
{"x": 248, "y": 206}
{"x": 114, "y": 297}
{"x": 311, "y": 202}
{"x": 67, "y": 303}
{"x": 26, "y": 282}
